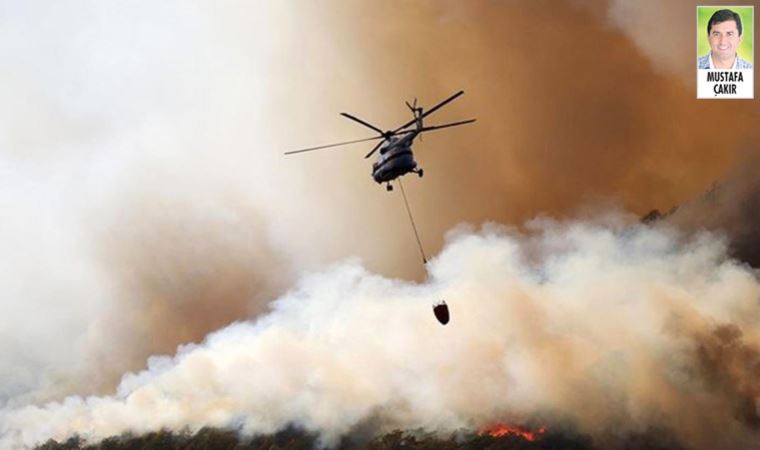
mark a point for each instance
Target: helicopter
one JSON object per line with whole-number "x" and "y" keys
{"x": 395, "y": 157}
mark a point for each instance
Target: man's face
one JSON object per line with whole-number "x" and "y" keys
{"x": 724, "y": 38}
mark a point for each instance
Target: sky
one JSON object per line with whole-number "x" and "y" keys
{"x": 148, "y": 203}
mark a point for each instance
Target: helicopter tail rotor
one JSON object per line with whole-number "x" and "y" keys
{"x": 413, "y": 108}
{"x": 428, "y": 112}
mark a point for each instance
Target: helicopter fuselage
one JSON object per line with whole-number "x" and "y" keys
{"x": 395, "y": 159}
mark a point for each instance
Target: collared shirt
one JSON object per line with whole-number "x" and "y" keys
{"x": 706, "y": 62}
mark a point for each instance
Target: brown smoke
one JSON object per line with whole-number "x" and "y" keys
{"x": 571, "y": 106}
{"x": 732, "y": 366}
{"x": 181, "y": 271}
{"x": 729, "y": 207}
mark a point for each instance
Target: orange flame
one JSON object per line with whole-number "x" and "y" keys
{"x": 501, "y": 430}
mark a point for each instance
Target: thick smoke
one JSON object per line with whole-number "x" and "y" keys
{"x": 146, "y": 200}
{"x": 664, "y": 32}
{"x": 617, "y": 328}
{"x": 728, "y": 207}
{"x": 570, "y": 106}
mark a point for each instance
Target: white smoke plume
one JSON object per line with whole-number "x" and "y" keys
{"x": 136, "y": 214}
{"x": 614, "y": 326}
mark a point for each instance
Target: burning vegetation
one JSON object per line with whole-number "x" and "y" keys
{"x": 499, "y": 437}
{"x": 501, "y": 430}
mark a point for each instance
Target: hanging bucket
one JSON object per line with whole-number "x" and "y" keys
{"x": 441, "y": 311}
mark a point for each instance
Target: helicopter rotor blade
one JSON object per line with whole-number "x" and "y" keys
{"x": 430, "y": 128}
{"x": 447, "y": 125}
{"x": 331, "y": 145}
{"x": 374, "y": 149}
{"x": 429, "y": 111}
{"x": 366, "y": 124}
{"x": 437, "y": 127}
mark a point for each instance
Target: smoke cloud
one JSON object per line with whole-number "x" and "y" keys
{"x": 124, "y": 231}
{"x": 573, "y": 107}
{"x": 728, "y": 207}
{"x": 614, "y": 326}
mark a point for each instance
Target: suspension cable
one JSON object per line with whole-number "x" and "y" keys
{"x": 411, "y": 219}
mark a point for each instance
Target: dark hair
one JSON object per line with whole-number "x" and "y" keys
{"x": 724, "y": 15}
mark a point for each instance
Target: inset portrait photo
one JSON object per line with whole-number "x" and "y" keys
{"x": 725, "y": 52}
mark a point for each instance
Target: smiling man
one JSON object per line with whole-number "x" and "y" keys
{"x": 724, "y": 32}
